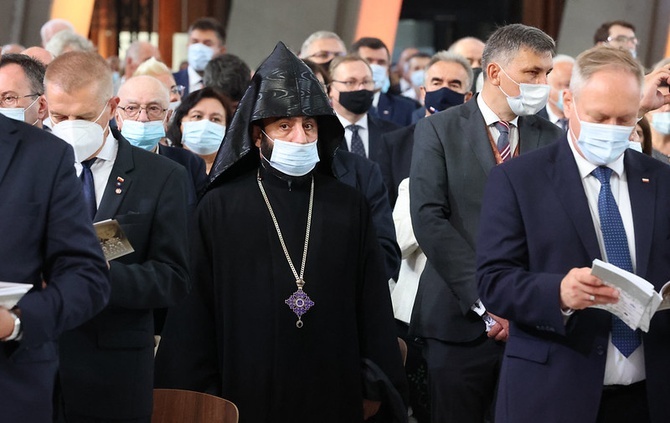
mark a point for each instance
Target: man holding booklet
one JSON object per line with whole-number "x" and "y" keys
{"x": 545, "y": 217}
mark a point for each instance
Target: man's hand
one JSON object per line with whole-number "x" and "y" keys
{"x": 499, "y": 331}
{"x": 370, "y": 408}
{"x": 6, "y": 323}
{"x": 580, "y": 289}
{"x": 652, "y": 98}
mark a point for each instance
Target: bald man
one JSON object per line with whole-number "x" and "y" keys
{"x": 39, "y": 54}
{"x": 137, "y": 53}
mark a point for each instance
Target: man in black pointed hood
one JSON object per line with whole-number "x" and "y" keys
{"x": 290, "y": 316}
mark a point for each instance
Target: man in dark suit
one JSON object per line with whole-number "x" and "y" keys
{"x": 545, "y": 218}
{"x": 454, "y": 152}
{"x": 351, "y": 94}
{"x": 386, "y": 106}
{"x": 22, "y": 88}
{"x": 142, "y": 116}
{"x": 49, "y": 243}
{"x": 106, "y": 370}
{"x": 206, "y": 39}
{"x": 447, "y": 83}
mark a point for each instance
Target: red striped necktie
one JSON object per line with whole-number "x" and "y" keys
{"x": 503, "y": 140}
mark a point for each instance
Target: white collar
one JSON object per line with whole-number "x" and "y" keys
{"x": 489, "y": 115}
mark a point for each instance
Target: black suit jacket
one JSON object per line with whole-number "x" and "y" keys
{"x": 364, "y": 175}
{"x": 376, "y": 127}
{"x": 395, "y": 158}
{"x": 46, "y": 236}
{"x": 450, "y": 164}
{"x": 395, "y": 108}
{"x": 193, "y": 163}
{"x": 107, "y": 364}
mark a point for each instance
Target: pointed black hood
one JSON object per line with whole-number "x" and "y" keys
{"x": 282, "y": 86}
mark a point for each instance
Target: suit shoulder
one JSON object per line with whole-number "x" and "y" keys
{"x": 154, "y": 163}
{"x": 383, "y": 125}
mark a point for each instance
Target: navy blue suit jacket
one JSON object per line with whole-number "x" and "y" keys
{"x": 395, "y": 108}
{"x": 46, "y": 236}
{"x": 364, "y": 175}
{"x": 193, "y": 163}
{"x": 376, "y": 127}
{"x": 106, "y": 367}
{"x": 536, "y": 226}
{"x": 181, "y": 78}
{"x": 395, "y": 158}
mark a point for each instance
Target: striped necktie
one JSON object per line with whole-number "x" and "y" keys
{"x": 503, "y": 140}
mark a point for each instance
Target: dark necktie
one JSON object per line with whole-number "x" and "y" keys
{"x": 503, "y": 140}
{"x": 356, "y": 141}
{"x": 624, "y": 338}
{"x": 563, "y": 123}
{"x": 88, "y": 186}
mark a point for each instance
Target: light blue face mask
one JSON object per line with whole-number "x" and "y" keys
{"x": 17, "y": 113}
{"x": 203, "y": 137}
{"x": 292, "y": 158}
{"x": 559, "y": 103}
{"x": 600, "y": 143}
{"x": 381, "y": 78}
{"x": 417, "y": 77}
{"x": 661, "y": 122}
{"x": 145, "y": 135}
{"x": 199, "y": 55}
{"x": 634, "y": 145}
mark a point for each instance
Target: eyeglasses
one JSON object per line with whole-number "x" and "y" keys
{"x": 351, "y": 85}
{"x": 10, "y": 100}
{"x": 153, "y": 111}
{"x": 622, "y": 39}
{"x": 325, "y": 55}
{"x": 177, "y": 89}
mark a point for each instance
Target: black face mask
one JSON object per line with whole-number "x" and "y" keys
{"x": 442, "y": 99}
{"x": 357, "y": 102}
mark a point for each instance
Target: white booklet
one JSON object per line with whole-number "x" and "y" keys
{"x": 11, "y": 293}
{"x": 638, "y": 301}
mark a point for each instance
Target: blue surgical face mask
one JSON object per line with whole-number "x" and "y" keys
{"x": 661, "y": 122}
{"x": 199, "y": 55}
{"x": 600, "y": 143}
{"x": 531, "y": 99}
{"x": 203, "y": 137}
{"x": 417, "y": 77}
{"x": 18, "y": 113}
{"x": 634, "y": 145}
{"x": 442, "y": 99}
{"x": 559, "y": 103}
{"x": 292, "y": 158}
{"x": 381, "y": 78}
{"x": 145, "y": 135}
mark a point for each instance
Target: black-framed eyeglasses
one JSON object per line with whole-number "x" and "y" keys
{"x": 177, "y": 89}
{"x": 153, "y": 111}
{"x": 11, "y": 100}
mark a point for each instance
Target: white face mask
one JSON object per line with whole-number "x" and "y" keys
{"x": 203, "y": 137}
{"x": 18, "y": 113}
{"x": 634, "y": 145}
{"x": 199, "y": 55}
{"x": 661, "y": 122}
{"x": 292, "y": 158}
{"x": 531, "y": 99}
{"x": 601, "y": 143}
{"x": 84, "y": 136}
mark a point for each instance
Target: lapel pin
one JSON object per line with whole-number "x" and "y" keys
{"x": 645, "y": 180}
{"x": 119, "y": 182}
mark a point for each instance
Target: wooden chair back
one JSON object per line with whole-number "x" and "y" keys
{"x": 178, "y": 406}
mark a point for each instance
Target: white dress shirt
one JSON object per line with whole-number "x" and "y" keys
{"x": 194, "y": 80}
{"x": 362, "y": 131}
{"x": 102, "y": 167}
{"x": 619, "y": 370}
{"x": 491, "y": 118}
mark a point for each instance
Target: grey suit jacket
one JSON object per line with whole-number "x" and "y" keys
{"x": 451, "y": 161}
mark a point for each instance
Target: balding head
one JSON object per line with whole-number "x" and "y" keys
{"x": 52, "y": 27}
{"x": 11, "y": 49}
{"x": 471, "y": 48}
{"x": 137, "y": 53}
{"x": 138, "y": 87}
{"x": 39, "y": 54}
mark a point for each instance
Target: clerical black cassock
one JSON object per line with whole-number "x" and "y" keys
{"x": 236, "y": 335}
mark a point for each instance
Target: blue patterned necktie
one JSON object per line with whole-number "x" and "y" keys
{"x": 356, "y": 141}
{"x": 624, "y": 338}
{"x": 503, "y": 140}
{"x": 88, "y": 186}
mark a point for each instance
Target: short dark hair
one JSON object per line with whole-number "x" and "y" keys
{"x": 603, "y": 32}
{"x": 187, "y": 103}
{"x": 210, "y": 24}
{"x": 506, "y": 42}
{"x": 34, "y": 70}
{"x": 228, "y": 73}
{"x": 369, "y": 42}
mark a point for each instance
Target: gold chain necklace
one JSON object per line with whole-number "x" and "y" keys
{"x": 299, "y": 302}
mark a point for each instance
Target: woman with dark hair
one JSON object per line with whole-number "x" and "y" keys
{"x": 200, "y": 123}
{"x": 643, "y": 133}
